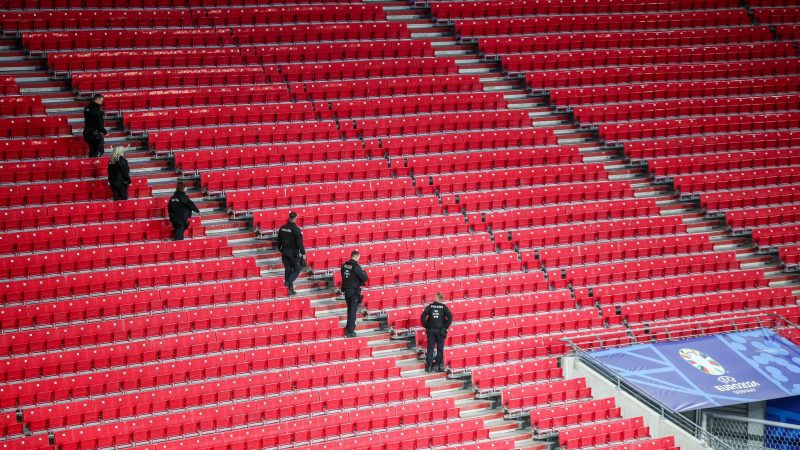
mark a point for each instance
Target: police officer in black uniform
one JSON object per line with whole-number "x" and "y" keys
{"x": 436, "y": 319}
{"x": 290, "y": 243}
{"x": 94, "y": 130}
{"x": 353, "y": 277}
{"x": 180, "y": 209}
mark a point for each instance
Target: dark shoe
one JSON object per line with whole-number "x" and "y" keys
{"x": 440, "y": 368}
{"x": 428, "y": 368}
{"x": 351, "y": 334}
{"x": 292, "y": 291}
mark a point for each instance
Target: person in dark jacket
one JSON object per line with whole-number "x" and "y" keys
{"x": 119, "y": 174}
{"x": 94, "y": 130}
{"x": 180, "y": 209}
{"x": 436, "y": 319}
{"x": 353, "y": 277}
{"x": 290, "y": 244}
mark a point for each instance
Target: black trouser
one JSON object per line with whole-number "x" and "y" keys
{"x": 180, "y": 227}
{"x": 96, "y": 143}
{"x": 435, "y": 339}
{"x": 353, "y": 299}
{"x": 120, "y": 191}
{"x": 291, "y": 266}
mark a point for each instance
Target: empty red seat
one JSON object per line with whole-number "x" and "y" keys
{"x": 23, "y": 127}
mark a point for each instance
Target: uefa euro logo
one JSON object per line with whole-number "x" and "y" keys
{"x": 702, "y": 362}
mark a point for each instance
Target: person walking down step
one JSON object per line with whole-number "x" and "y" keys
{"x": 180, "y": 209}
{"x": 119, "y": 174}
{"x": 290, "y": 244}
{"x": 436, "y": 319}
{"x": 94, "y": 130}
{"x": 353, "y": 277}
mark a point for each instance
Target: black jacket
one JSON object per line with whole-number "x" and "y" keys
{"x": 436, "y": 316}
{"x": 180, "y": 207}
{"x": 119, "y": 172}
{"x": 353, "y": 276}
{"x": 291, "y": 238}
{"x": 93, "y": 116}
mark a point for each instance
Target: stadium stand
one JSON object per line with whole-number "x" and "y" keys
{"x": 592, "y": 171}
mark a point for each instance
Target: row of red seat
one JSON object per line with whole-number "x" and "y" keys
{"x": 143, "y": 354}
{"x": 404, "y": 105}
{"x": 382, "y": 230}
{"x": 547, "y": 79}
{"x": 495, "y": 46}
{"x": 402, "y": 320}
{"x": 106, "y": 257}
{"x": 601, "y": 22}
{"x": 315, "y": 172}
{"x": 459, "y": 10}
{"x": 103, "y": 233}
{"x": 535, "y": 196}
{"x": 516, "y": 326}
{"x": 455, "y": 142}
{"x": 485, "y": 160}
{"x": 514, "y": 64}
{"x": 587, "y": 211}
{"x": 648, "y": 311}
{"x": 24, "y": 105}
{"x": 165, "y": 142}
{"x": 256, "y": 198}
{"x": 81, "y": 213}
{"x": 421, "y": 435}
{"x": 130, "y": 330}
{"x": 773, "y": 236}
{"x": 607, "y": 294}
{"x": 396, "y": 67}
{"x": 525, "y": 176}
{"x": 419, "y": 294}
{"x": 131, "y": 4}
{"x": 788, "y": 14}
{"x": 205, "y": 395}
{"x": 744, "y": 198}
{"x": 437, "y": 123}
{"x": 614, "y": 133}
{"x": 309, "y": 53}
{"x": 156, "y": 299}
{"x": 525, "y": 398}
{"x": 646, "y": 268}
{"x": 439, "y": 269}
{"x": 18, "y": 21}
{"x": 64, "y": 192}
{"x": 87, "y": 83}
{"x": 623, "y": 249}
{"x": 664, "y": 443}
{"x": 142, "y": 121}
{"x": 386, "y": 87}
{"x": 248, "y": 368}
{"x": 19, "y": 127}
{"x": 719, "y": 181}
{"x": 266, "y": 222}
{"x": 604, "y": 433}
{"x": 189, "y": 162}
{"x": 394, "y": 251}
{"x": 570, "y": 97}
{"x": 544, "y": 420}
{"x": 124, "y": 279}
{"x": 493, "y": 377}
{"x": 788, "y": 32}
{"x": 252, "y": 415}
{"x": 594, "y": 115}
{"x": 665, "y": 167}
{"x": 193, "y": 97}
{"x": 589, "y": 231}
{"x": 62, "y": 169}
{"x": 210, "y": 37}
{"x": 143, "y": 59}
{"x": 46, "y": 148}
{"x": 716, "y": 143}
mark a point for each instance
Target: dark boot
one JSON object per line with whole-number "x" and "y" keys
{"x": 440, "y": 368}
{"x": 428, "y": 368}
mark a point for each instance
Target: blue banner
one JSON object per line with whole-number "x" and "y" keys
{"x": 710, "y": 371}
